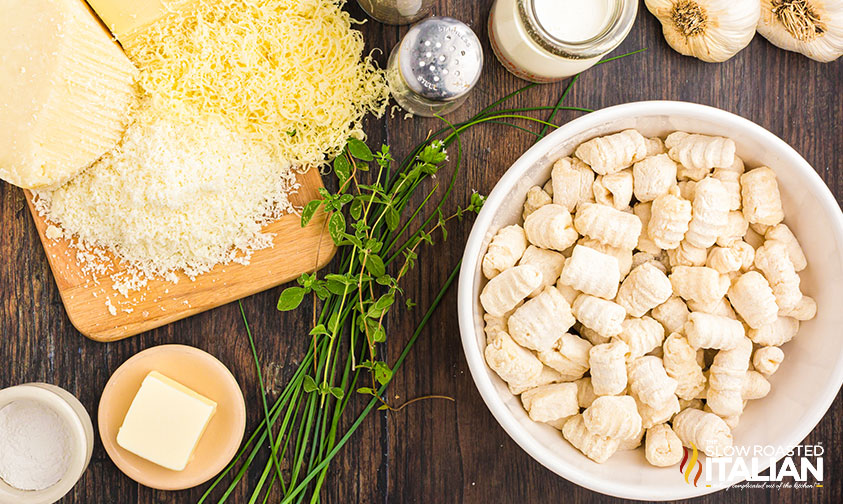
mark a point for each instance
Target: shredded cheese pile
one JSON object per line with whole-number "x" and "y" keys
{"x": 289, "y": 73}
{"x": 237, "y": 98}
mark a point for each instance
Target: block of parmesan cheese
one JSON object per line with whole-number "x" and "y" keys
{"x": 65, "y": 91}
{"x": 126, "y": 19}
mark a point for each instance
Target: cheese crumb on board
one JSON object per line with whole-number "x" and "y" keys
{"x": 65, "y": 91}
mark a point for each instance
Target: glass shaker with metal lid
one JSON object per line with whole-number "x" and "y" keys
{"x": 397, "y": 12}
{"x": 550, "y": 40}
{"x": 434, "y": 67}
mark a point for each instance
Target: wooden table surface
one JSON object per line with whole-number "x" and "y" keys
{"x": 434, "y": 451}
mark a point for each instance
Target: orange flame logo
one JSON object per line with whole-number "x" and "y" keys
{"x": 690, "y": 463}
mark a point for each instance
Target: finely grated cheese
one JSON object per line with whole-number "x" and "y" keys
{"x": 238, "y": 97}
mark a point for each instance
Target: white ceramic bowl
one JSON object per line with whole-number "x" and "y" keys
{"x": 808, "y": 379}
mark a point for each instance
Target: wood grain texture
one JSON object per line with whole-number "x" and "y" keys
{"x": 434, "y": 451}
{"x": 88, "y": 297}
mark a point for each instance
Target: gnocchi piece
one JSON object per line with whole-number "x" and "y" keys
{"x": 776, "y": 334}
{"x": 731, "y": 181}
{"x": 613, "y": 153}
{"x": 655, "y": 146}
{"x": 662, "y": 447}
{"x": 680, "y": 362}
{"x": 594, "y": 337}
{"x": 649, "y": 381}
{"x": 760, "y": 197}
{"x": 731, "y": 420}
{"x": 687, "y": 255}
{"x": 550, "y": 227}
{"x": 548, "y": 262}
{"x": 608, "y": 226}
{"x": 755, "y": 386}
{"x": 645, "y": 244}
{"x": 614, "y": 190}
{"x": 568, "y": 356}
{"x": 771, "y": 258}
{"x": 713, "y": 331}
{"x": 753, "y": 299}
{"x": 720, "y": 307}
{"x": 536, "y": 198}
{"x": 602, "y": 316}
{"x": 725, "y": 379}
{"x": 754, "y": 239}
{"x": 736, "y": 228}
{"x": 545, "y": 377}
{"x": 613, "y": 417}
{"x": 670, "y": 216}
{"x": 592, "y": 272}
{"x": 572, "y": 182}
{"x": 548, "y": 187}
{"x": 724, "y": 259}
{"x": 701, "y": 284}
{"x": 805, "y": 309}
{"x": 659, "y": 261}
{"x": 568, "y": 292}
{"x": 707, "y": 431}
{"x": 509, "y": 288}
{"x": 690, "y": 403}
{"x": 651, "y": 416}
{"x": 643, "y": 289}
{"x": 551, "y": 402}
{"x": 608, "y": 367}
{"x": 624, "y": 256}
{"x": 597, "y": 448}
{"x": 698, "y": 154}
{"x": 766, "y": 360}
{"x": 585, "y": 392}
{"x": 511, "y": 362}
{"x": 783, "y": 234}
{"x": 686, "y": 188}
{"x": 641, "y": 335}
{"x": 541, "y": 321}
{"x": 505, "y": 250}
{"x": 633, "y": 442}
{"x": 494, "y": 324}
{"x": 653, "y": 177}
{"x": 672, "y": 314}
{"x": 710, "y": 214}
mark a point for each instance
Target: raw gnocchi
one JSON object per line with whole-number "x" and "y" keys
{"x": 632, "y": 239}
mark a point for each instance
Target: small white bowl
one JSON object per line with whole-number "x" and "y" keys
{"x": 79, "y": 427}
{"x": 812, "y": 372}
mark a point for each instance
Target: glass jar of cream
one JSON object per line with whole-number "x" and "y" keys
{"x": 550, "y": 40}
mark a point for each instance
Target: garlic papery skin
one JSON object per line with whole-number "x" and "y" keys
{"x": 711, "y": 30}
{"x": 811, "y": 27}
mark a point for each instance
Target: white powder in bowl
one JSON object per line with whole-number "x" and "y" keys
{"x": 34, "y": 445}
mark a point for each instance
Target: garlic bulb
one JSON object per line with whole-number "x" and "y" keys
{"x": 711, "y": 30}
{"x": 811, "y": 27}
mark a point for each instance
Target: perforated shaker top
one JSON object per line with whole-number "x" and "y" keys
{"x": 441, "y": 59}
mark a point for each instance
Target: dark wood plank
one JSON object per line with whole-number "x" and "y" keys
{"x": 433, "y": 451}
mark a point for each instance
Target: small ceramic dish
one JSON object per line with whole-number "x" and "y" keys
{"x": 81, "y": 441}
{"x": 197, "y": 370}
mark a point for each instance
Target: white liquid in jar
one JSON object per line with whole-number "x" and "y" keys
{"x": 569, "y": 21}
{"x": 573, "y": 20}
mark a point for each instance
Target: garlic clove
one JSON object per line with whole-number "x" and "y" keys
{"x": 811, "y": 27}
{"x": 711, "y": 30}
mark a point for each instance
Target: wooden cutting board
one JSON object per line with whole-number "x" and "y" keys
{"x": 296, "y": 250}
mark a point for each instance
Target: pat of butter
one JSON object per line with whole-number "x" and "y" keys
{"x": 165, "y": 422}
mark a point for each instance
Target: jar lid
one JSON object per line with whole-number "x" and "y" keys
{"x": 440, "y": 58}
